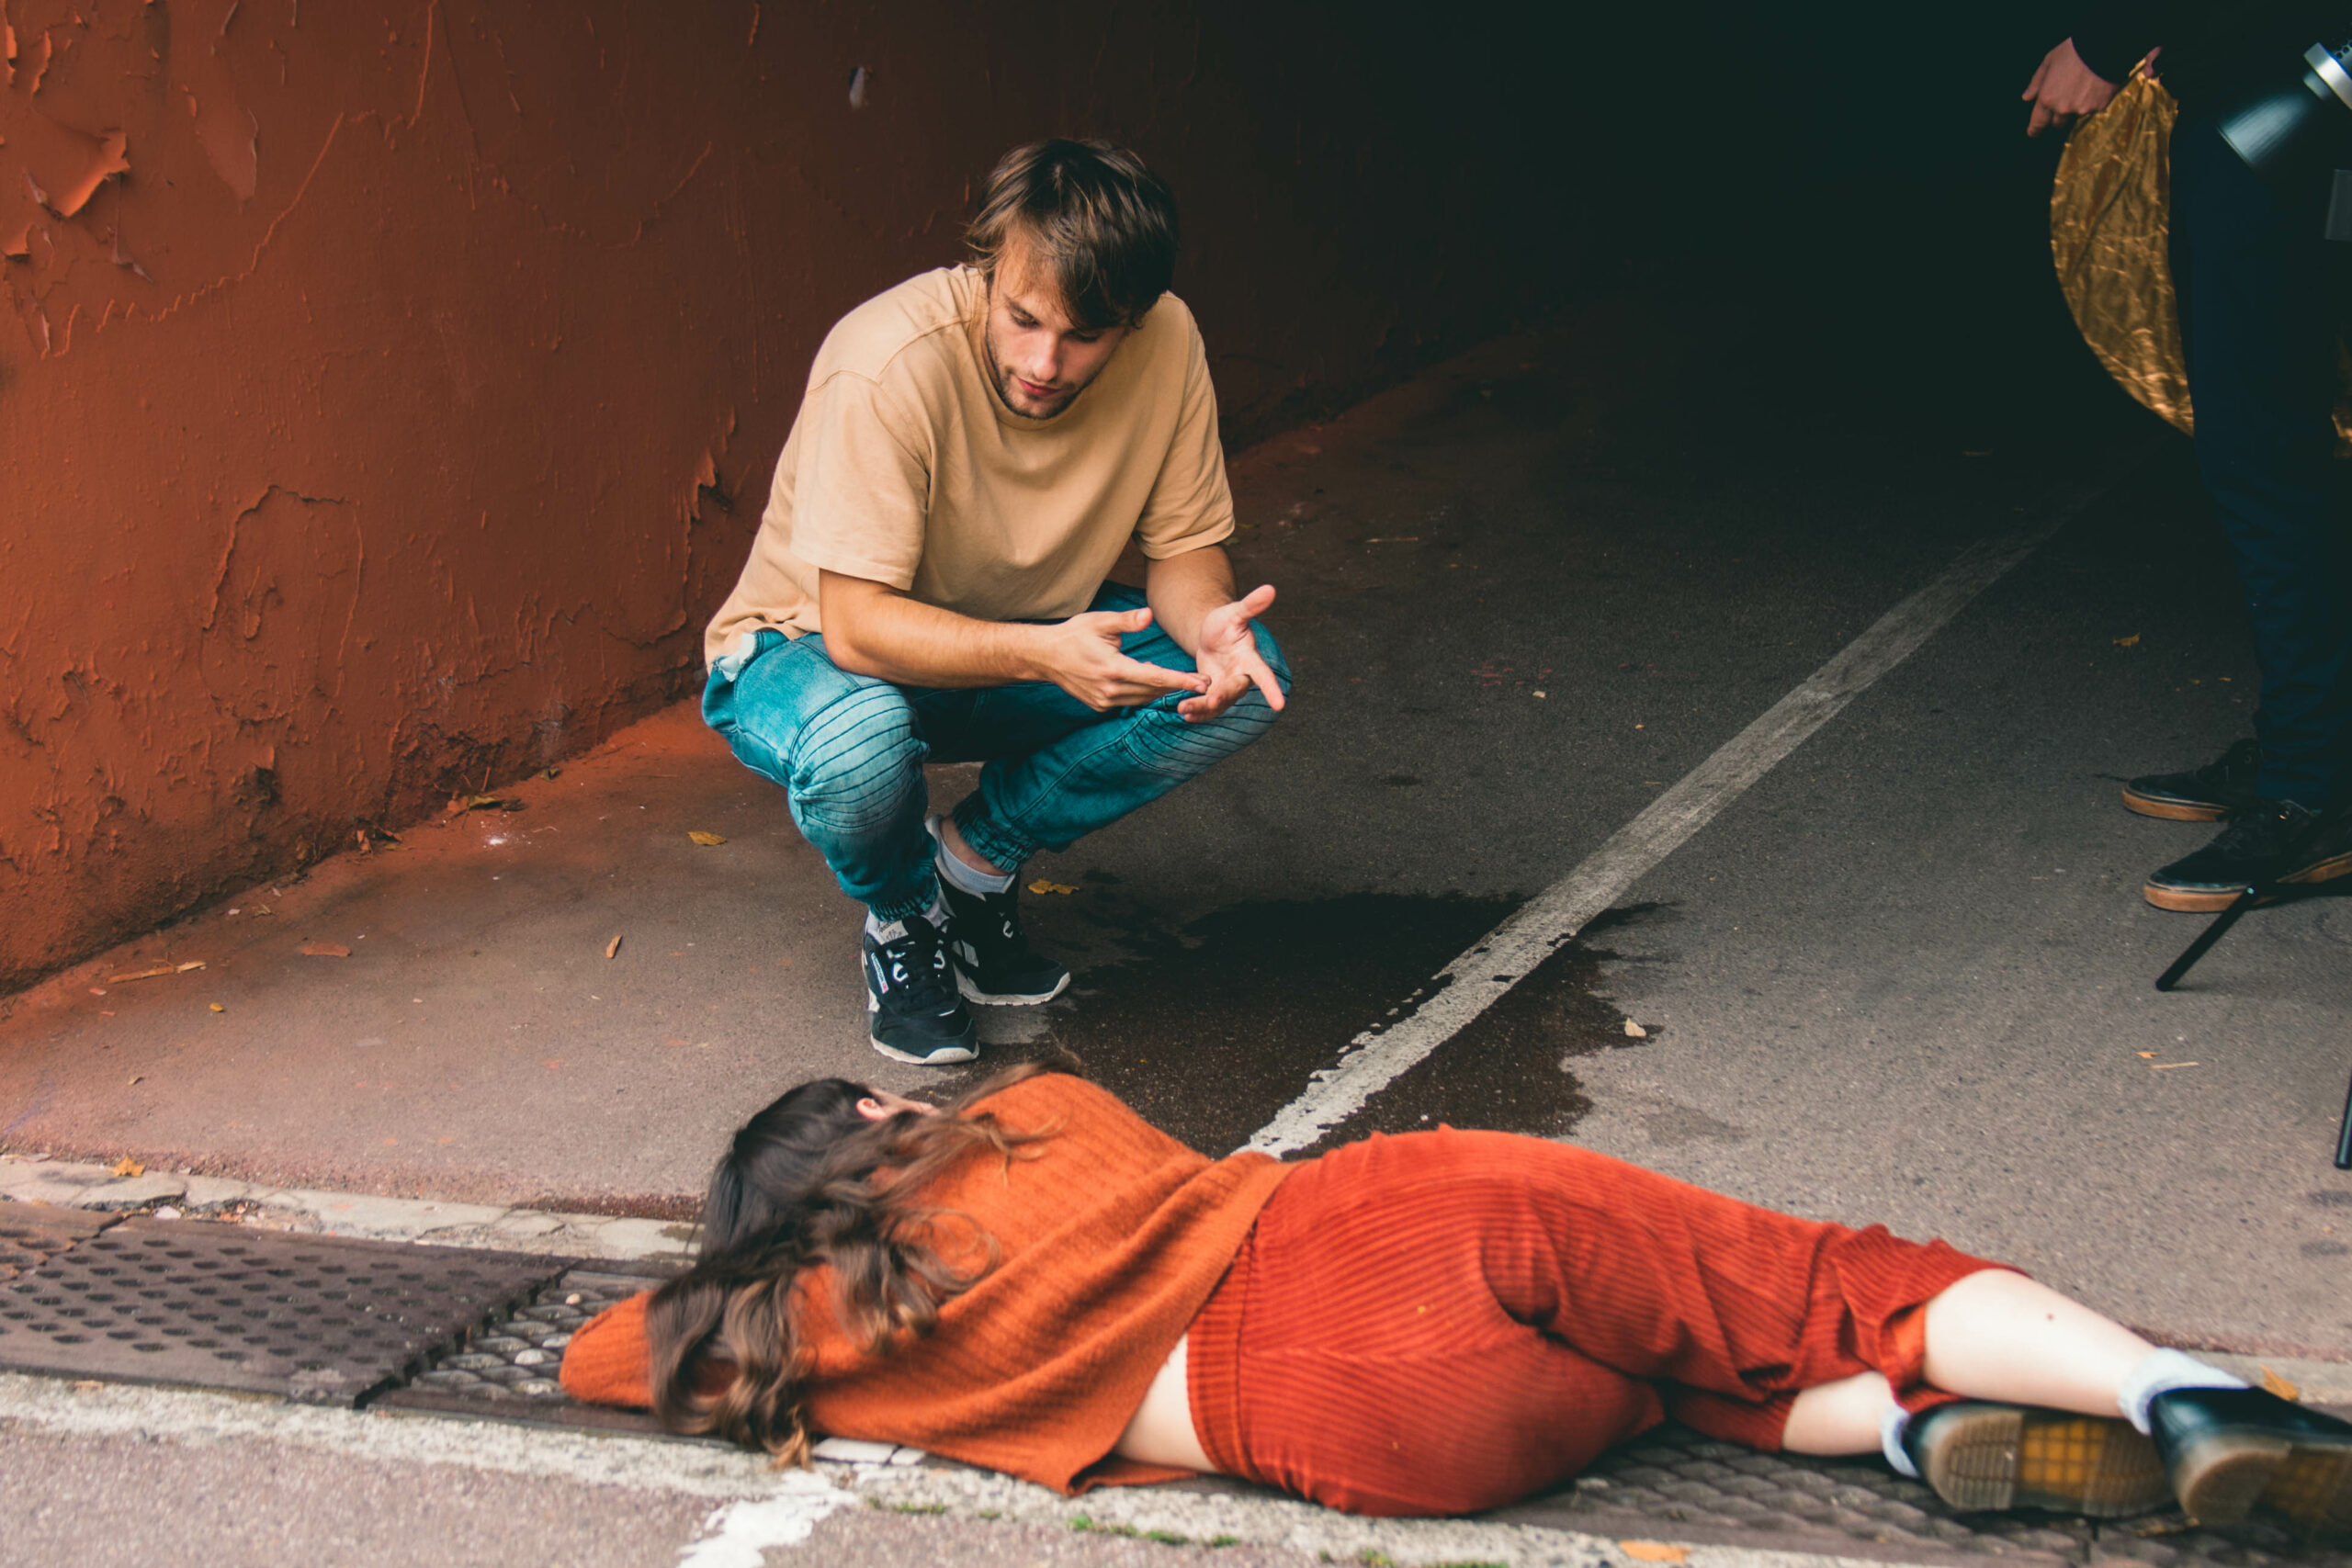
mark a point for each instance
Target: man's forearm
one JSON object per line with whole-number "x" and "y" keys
{"x": 873, "y": 631}
{"x": 1182, "y": 589}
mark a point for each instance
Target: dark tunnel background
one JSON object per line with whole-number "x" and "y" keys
{"x": 1846, "y": 197}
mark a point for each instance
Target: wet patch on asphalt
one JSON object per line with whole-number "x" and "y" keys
{"x": 1210, "y": 1027}
{"x": 1510, "y": 1070}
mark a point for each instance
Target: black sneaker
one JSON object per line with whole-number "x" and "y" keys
{"x": 913, "y": 1013}
{"x": 995, "y": 965}
{"x": 1978, "y": 1456}
{"x": 2231, "y": 1450}
{"x": 2201, "y": 795}
{"x": 2275, "y": 841}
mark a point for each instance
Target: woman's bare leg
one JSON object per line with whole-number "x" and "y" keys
{"x": 2001, "y": 1335}
{"x": 1841, "y": 1418}
{"x": 1992, "y": 1336}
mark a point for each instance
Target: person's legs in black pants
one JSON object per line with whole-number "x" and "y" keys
{"x": 2252, "y": 268}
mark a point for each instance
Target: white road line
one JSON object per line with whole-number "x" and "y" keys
{"x": 739, "y": 1534}
{"x": 1478, "y": 978}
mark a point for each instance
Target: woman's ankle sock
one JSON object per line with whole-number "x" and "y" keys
{"x": 1891, "y": 1428}
{"x": 2161, "y": 1371}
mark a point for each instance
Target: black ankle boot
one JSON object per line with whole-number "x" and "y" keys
{"x": 2231, "y": 1450}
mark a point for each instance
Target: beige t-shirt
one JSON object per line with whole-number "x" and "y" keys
{"x": 906, "y": 468}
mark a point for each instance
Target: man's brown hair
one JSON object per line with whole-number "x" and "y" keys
{"x": 1103, "y": 224}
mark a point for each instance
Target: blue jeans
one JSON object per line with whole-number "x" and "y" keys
{"x": 849, "y": 751}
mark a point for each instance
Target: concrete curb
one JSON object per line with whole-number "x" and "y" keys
{"x": 429, "y": 1223}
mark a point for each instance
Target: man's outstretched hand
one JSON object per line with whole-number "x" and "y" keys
{"x": 1228, "y": 657}
{"x": 2063, "y": 89}
{"x": 1082, "y": 655}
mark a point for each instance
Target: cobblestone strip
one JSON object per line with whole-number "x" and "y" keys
{"x": 506, "y": 1369}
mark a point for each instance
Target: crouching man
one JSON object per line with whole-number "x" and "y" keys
{"x": 975, "y": 449}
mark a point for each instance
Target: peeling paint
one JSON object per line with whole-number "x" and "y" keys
{"x": 105, "y": 158}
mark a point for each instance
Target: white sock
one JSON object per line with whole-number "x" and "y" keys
{"x": 2161, "y": 1371}
{"x": 879, "y": 930}
{"x": 967, "y": 879}
{"x": 1891, "y": 1428}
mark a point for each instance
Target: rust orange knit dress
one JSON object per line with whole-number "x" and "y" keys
{"x": 1430, "y": 1324}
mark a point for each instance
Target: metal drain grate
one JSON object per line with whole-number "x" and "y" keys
{"x": 1678, "y": 1485}
{"x": 33, "y": 1233}
{"x": 507, "y": 1369}
{"x": 321, "y": 1319}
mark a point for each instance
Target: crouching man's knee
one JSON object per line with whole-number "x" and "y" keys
{"x": 856, "y": 762}
{"x": 1188, "y": 747}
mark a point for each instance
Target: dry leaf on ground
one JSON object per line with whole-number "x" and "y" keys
{"x": 2273, "y": 1383}
{"x": 612, "y": 947}
{"x": 1042, "y": 886}
{"x": 2131, "y": 641}
{"x": 1654, "y": 1551}
{"x": 125, "y": 1166}
{"x": 325, "y": 949}
{"x": 707, "y": 841}
{"x": 218, "y": 1008}
{"x": 1634, "y": 1030}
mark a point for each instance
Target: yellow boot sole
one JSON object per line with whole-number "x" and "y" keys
{"x": 1981, "y": 1456}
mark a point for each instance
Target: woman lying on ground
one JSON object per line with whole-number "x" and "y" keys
{"x": 1039, "y": 1282}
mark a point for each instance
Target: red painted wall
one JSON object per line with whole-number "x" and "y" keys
{"x": 388, "y": 391}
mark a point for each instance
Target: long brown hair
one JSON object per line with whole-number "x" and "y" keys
{"x": 797, "y": 1190}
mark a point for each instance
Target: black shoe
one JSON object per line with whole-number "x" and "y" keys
{"x": 2270, "y": 841}
{"x": 2229, "y": 1451}
{"x": 1977, "y": 1456}
{"x": 913, "y": 1013}
{"x": 2201, "y": 795}
{"x": 995, "y": 965}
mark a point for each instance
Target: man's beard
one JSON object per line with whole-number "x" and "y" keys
{"x": 1003, "y": 382}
